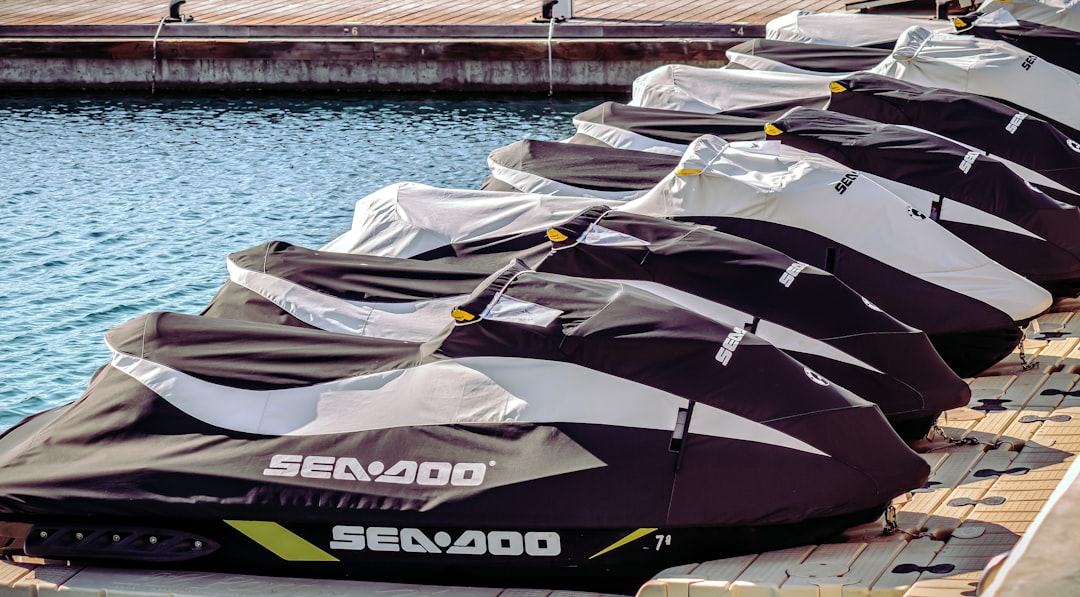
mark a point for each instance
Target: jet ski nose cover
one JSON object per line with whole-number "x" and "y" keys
{"x": 554, "y": 381}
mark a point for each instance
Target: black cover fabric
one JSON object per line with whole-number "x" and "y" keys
{"x": 947, "y": 317}
{"x": 1053, "y": 44}
{"x": 721, "y": 268}
{"x": 617, "y": 175}
{"x": 123, "y": 452}
{"x": 943, "y": 167}
{"x": 586, "y": 166}
{"x": 771, "y": 110}
{"x": 822, "y": 58}
{"x": 1042, "y": 145}
{"x": 935, "y": 310}
{"x": 673, "y": 126}
{"x": 744, "y": 275}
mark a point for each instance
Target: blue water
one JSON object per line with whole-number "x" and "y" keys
{"x": 114, "y": 207}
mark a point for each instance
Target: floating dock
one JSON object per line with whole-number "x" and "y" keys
{"x": 483, "y": 46}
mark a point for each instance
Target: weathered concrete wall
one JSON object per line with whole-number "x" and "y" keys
{"x": 491, "y": 65}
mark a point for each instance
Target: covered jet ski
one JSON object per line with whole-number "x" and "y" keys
{"x": 621, "y": 126}
{"x": 581, "y": 171}
{"x": 728, "y": 90}
{"x": 1056, "y": 45}
{"x": 855, "y": 347}
{"x": 987, "y": 67}
{"x": 978, "y": 122}
{"x": 879, "y": 255}
{"x": 501, "y": 451}
{"x": 811, "y": 203}
{"x": 976, "y": 197}
{"x": 805, "y": 58}
{"x": 1057, "y": 13}
{"x": 846, "y": 29}
{"x": 1051, "y": 158}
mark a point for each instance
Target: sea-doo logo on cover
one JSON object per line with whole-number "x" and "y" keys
{"x": 1073, "y": 145}
{"x": 815, "y": 377}
{"x": 845, "y": 182}
{"x": 404, "y": 472}
{"x": 729, "y": 345}
{"x": 473, "y": 543}
{"x": 914, "y": 213}
{"x": 1015, "y": 122}
{"x": 789, "y": 274}
{"x": 1028, "y": 62}
{"x": 968, "y": 160}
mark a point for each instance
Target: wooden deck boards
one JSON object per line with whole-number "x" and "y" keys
{"x": 388, "y": 12}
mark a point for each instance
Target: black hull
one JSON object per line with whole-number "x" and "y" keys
{"x": 615, "y": 561}
{"x": 974, "y": 352}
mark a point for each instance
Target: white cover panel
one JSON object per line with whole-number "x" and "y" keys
{"x": 508, "y": 308}
{"x": 987, "y": 67}
{"x": 407, "y": 219}
{"x": 715, "y": 178}
{"x": 951, "y": 210}
{"x": 528, "y": 182}
{"x": 964, "y": 63}
{"x": 845, "y": 29}
{"x": 624, "y": 139}
{"x": 598, "y": 236}
{"x": 417, "y": 321}
{"x": 469, "y": 390}
{"x": 1049, "y": 12}
{"x": 997, "y": 18}
{"x": 714, "y": 90}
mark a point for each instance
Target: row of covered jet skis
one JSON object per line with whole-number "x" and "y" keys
{"x": 710, "y": 323}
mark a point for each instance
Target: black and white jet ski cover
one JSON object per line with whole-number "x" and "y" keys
{"x": 980, "y": 122}
{"x": 728, "y": 91}
{"x": 976, "y": 197}
{"x": 802, "y": 310}
{"x": 660, "y": 131}
{"x": 576, "y": 170}
{"x": 564, "y": 428}
{"x": 806, "y": 58}
{"x": 987, "y": 67}
{"x": 846, "y": 29}
{"x": 832, "y": 51}
{"x": 1054, "y": 44}
{"x": 968, "y": 304}
{"x": 811, "y": 208}
{"x": 1058, "y": 13}
{"x": 1051, "y": 157}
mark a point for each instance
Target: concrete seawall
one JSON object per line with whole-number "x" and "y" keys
{"x": 495, "y": 59}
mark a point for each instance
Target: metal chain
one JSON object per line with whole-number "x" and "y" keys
{"x": 957, "y": 441}
{"x": 1024, "y": 365}
{"x": 890, "y": 521}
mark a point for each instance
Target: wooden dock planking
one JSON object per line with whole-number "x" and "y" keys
{"x": 388, "y": 12}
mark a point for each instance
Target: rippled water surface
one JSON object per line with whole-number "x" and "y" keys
{"x": 114, "y": 207}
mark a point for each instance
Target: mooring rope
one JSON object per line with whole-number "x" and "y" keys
{"x": 551, "y": 69}
{"x": 154, "y": 61}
